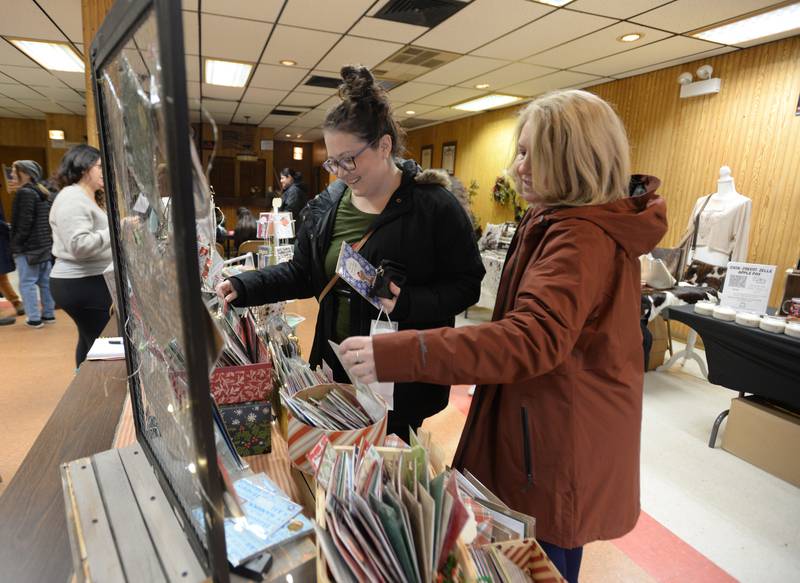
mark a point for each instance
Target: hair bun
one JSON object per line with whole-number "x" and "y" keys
{"x": 357, "y": 84}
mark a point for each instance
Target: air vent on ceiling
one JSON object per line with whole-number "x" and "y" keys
{"x": 410, "y": 62}
{"x": 427, "y": 13}
{"x": 320, "y": 81}
{"x": 414, "y": 122}
{"x": 284, "y": 112}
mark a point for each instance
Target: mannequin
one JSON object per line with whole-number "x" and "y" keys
{"x": 724, "y": 225}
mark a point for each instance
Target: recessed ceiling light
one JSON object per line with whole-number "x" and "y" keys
{"x": 761, "y": 25}
{"x": 288, "y": 63}
{"x": 52, "y": 56}
{"x": 56, "y": 134}
{"x": 410, "y": 112}
{"x": 288, "y": 135}
{"x": 554, "y": 2}
{"x": 299, "y": 135}
{"x": 630, "y": 38}
{"x": 482, "y": 86}
{"x": 487, "y": 102}
{"x": 227, "y": 73}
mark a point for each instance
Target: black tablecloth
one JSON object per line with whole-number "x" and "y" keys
{"x": 747, "y": 359}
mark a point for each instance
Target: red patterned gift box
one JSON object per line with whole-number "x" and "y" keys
{"x": 241, "y": 384}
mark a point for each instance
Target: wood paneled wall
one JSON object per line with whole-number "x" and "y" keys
{"x": 750, "y": 126}
{"x": 283, "y": 159}
{"x": 74, "y": 128}
{"x": 92, "y": 12}
{"x": 483, "y": 150}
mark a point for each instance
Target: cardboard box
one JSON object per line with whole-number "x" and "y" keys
{"x": 242, "y": 384}
{"x": 658, "y": 328}
{"x": 765, "y": 436}
{"x": 249, "y": 426}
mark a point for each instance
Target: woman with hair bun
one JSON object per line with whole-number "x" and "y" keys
{"x": 400, "y": 213}
{"x": 81, "y": 245}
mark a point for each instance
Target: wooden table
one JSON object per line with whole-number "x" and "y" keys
{"x": 33, "y": 528}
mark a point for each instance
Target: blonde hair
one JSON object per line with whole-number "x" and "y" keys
{"x": 579, "y": 152}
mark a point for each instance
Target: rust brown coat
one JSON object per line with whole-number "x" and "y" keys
{"x": 554, "y": 428}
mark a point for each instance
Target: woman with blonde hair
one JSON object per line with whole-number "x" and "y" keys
{"x": 554, "y": 427}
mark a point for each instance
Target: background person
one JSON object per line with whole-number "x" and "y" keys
{"x": 554, "y": 429}
{"x": 294, "y": 193}
{"x": 81, "y": 245}
{"x": 411, "y": 218}
{"x": 32, "y": 241}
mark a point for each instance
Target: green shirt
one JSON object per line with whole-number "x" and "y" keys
{"x": 350, "y": 226}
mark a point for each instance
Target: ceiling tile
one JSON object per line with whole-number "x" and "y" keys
{"x": 264, "y": 96}
{"x": 214, "y": 106}
{"x": 412, "y": 91}
{"x": 64, "y": 95}
{"x": 20, "y": 92}
{"x": 193, "y": 90}
{"x": 299, "y": 99}
{"x": 602, "y": 43}
{"x": 4, "y": 101}
{"x": 560, "y": 80}
{"x": 555, "y": 28}
{"x": 247, "y": 119}
{"x": 189, "y": 4}
{"x": 302, "y": 122}
{"x": 264, "y": 10}
{"x": 194, "y": 104}
{"x": 74, "y": 80}
{"x": 652, "y": 54}
{"x": 480, "y": 22}
{"x": 695, "y": 57}
{"x": 593, "y": 82}
{"x": 67, "y": 15}
{"x": 686, "y": 15}
{"x": 460, "y": 70}
{"x": 194, "y": 66}
{"x": 446, "y": 113}
{"x": 306, "y": 47}
{"x": 335, "y": 16}
{"x": 191, "y": 33}
{"x": 312, "y": 135}
{"x": 329, "y": 103}
{"x": 233, "y": 38}
{"x": 315, "y": 116}
{"x": 8, "y": 113}
{"x": 218, "y": 92}
{"x": 222, "y": 118}
{"x": 364, "y": 51}
{"x": 11, "y": 55}
{"x": 451, "y": 96}
{"x": 277, "y": 121}
{"x": 46, "y": 106}
{"x": 380, "y": 29}
{"x": 417, "y": 108}
{"x": 26, "y": 20}
{"x": 277, "y": 77}
{"x": 508, "y": 75}
{"x": 33, "y": 76}
{"x": 616, "y": 8}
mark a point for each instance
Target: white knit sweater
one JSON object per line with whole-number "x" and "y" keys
{"x": 81, "y": 241}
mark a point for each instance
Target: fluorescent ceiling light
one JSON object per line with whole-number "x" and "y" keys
{"x": 482, "y": 86}
{"x": 488, "y": 102}
{"x": 553, "y": 2}
{"x": 56, "y": 134}
{"x": 227, "y": 73}
{"x": 288, "y": 63}
{"x": 410, "y": 112}
{"x": 761, "y": 25}
{"x": 52, "y": 56}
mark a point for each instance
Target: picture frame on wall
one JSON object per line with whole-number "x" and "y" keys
{"x": 426, "y": 157}
{"x": 449, "y": 157}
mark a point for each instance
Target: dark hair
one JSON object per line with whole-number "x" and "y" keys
{"x": 75, "y": 163}
{"x": 296, "y": 175}
{"x": 246, "y": 226}
{"x": 365, "y": 110}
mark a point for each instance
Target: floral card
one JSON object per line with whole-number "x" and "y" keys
{"x": 357, "y": 272}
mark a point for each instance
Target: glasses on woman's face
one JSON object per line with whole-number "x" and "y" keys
{"x": 347, "y": 163}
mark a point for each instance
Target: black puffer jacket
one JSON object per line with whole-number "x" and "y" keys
{"x": 30, "y": 224}
{"x": 422, "y": 227}
{"x": 294, "y": 199}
